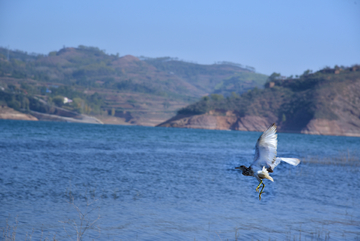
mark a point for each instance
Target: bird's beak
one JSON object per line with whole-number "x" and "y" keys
{"x": 237, "y": 167}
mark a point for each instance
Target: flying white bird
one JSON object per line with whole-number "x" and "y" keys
{"x": 265, "y": 159}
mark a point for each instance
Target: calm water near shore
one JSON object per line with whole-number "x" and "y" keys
{"x": 145, "y": 183}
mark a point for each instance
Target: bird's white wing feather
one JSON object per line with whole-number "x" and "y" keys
{"x": 291, "y": 161}
{"x": 265, "y": 149}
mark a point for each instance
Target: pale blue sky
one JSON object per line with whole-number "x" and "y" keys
{"x": 271, "y": 35}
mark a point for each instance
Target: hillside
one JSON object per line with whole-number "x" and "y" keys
{"x": 240, "y": 83}
{"x": 210, "y": 78}
{"x": 326, "y": 102}
{"x": 116, "y": 89}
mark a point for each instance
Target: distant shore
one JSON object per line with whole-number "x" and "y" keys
{"x": 7, "y": 113}
{"x": 11, "y": 114}
{"x": 230, "y": 121}
{"x": 207, "y": 121}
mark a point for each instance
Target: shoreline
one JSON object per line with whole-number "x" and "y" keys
{"x": 7, "y": 113}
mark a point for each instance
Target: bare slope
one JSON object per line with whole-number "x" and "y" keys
{"x": 7, "y": 113}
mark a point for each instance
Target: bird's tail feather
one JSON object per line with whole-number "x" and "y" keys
{"x": 265, "y": 174}
{"x": 291, "y": 161}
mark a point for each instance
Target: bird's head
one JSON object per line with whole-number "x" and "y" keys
{"x": 245, "y": 171}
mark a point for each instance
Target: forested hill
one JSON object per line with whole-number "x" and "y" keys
{"x": 324, "y": 102}
{"x": 107, "y": 84}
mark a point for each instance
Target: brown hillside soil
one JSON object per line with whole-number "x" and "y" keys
{"x": 260, "y": 124}
{"x": 11, "y": 114}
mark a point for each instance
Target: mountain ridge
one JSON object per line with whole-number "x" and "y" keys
{"x": 107, "y": 85}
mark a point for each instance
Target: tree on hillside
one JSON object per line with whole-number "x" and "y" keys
{"x": 273, "y": 77}
{"x": 216, "y": 97}
{"x": 307, "y": 72}
{"x": 58, "y": 100}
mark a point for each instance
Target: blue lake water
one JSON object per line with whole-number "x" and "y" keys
{"x": 145, "y": 183}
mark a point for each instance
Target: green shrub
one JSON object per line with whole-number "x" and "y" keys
{"x": 58, "y": 100}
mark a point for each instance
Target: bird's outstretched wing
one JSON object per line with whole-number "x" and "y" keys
{"x": 291, "y": 161}
{"x": 265, "y": 148}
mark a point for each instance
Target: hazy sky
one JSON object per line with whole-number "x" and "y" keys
{"x": 271, "y": 35}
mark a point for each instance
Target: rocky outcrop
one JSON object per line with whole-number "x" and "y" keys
{"x": 79, "y": 119}
{"x": 213, "y": 121}
{"x": 331, "y": 127}
{"x": 257, "y": 123}
{"x": 7, "y": 113}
